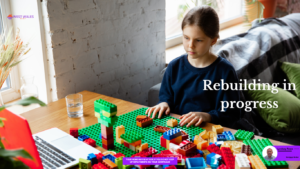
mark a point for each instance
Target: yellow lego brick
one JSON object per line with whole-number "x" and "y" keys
{"x": 205, "y": 153}
{"x": 167, "y": 144}
{"x": 197, "y": 139}
{"x": 144, "y": 146}
{"x": 119, "y": 140}
{"x": 204, "y": 135}
{"x": 107, "y": 114}
{"x": 256, "y": 163}
{"x": 119, "y": 131}
{"x": 109, "y": 152}
{"x": 172, "y": 122}
{"x": 235, "y": 146}
{"x": 202, "y": 145}
{"x": 97, "y": 115}
{"x": 137, "y": 149}
{"x": 218, "y": 129}
{"x": 177, "y": 140}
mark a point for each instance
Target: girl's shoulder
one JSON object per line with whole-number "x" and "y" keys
{"x": 225, "y": 64}
{"x": 178, "y": 60}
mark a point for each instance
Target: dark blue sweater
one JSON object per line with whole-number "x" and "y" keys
{"x": 183, "y": 84}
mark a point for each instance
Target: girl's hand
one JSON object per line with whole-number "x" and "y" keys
{"x": 161, "y": 107}
{"x": 194, "y": 118}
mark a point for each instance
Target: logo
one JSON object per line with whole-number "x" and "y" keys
{"x": 10, "y": 16}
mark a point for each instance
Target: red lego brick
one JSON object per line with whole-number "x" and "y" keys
{"x": 246, "y": 149}
{"x": 119, "y": 155}
{"x": 126, "y": 144}
{"x": 90, "y": 142}
{"x": 163, "y": 142}
{"x": 179, "y": 156}
{"x": 144, "y": 122}
{"x": 214, "y": 149}
{"x": 145, "y": 153}
{"x": 99, "y": 166}
{"x": 228, "y": 157}
{"x": 222, "y": 167}
{"x": 74, "y": 132}
{"x": 107, "y": 141}
{"x": 99, "y": 157}
{"x": 165, "y": 152}
{"x": 184, "y": 142}
{"x": 144, "y": 166}
{"x": 110, "y": 136}
{"x": 110, "y": 146}
{"x": 171, "y": 167}
{"x": 187, "y": 149}
{"x": 184, "y": 135}
{"x": 161, "y": 129}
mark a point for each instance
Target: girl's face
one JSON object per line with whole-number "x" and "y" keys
{"x": 195, "y": 42}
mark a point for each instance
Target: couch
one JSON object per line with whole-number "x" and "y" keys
{"x": 262, "y": 64}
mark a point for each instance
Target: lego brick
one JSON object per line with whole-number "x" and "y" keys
{"x": 109, "y": 164}
{"x": 107, "y": 114}
{"x": 99, "y": 166}
{"x": 202, "y": 145}
{"x": 212, "y": 136}
{"x": 83, "y": 163}
{"x": 74, "y": 132}
{"x": 119, "y": 155}
{"x": 137, "y": 143}
{"x": 171, "y": 134}
{"x": 205, "y": 153}
{"x": 246, "y": 149}
{"x": 110, "y": 157}
{"x": 106, "y": 130}
{"x": 168, "y": 144}
{"x": 228, "y": 135}
{"x": 187, "y": 149}
{"x": 185, "y": 136}
{"x": 176, "y": 140}
{"x": 174, "y": 148}
{"x": 241, "y": 161}
{"x": 119, "y": 162}
{"x": 214, "y": 149}
{"x": 99, "y": 157}
{"x": 256, "y": 162}
{"x": 171, "y": 167}
{"x": 172, "y": 123}
{"x": 109, "y": 152}
{"x": 257, "y": 147}
{"x": 228, "y": 157}
{"x": 210, "y": 158}
{"x": 105, "y": 105}
{"x": 195, "y": 163}
{"x": 92, "y": 157}
{"x": 161, "y": 129}
{"x": 132, "y": 136}
{"x": 126, "y": 144}
{"x": 119, "y": 140}
{"x": 107, "y": 137}
{"x": 204, "y": 135}
{"x": 197, "y": 139}
{"x": 107, "y": 142}
{"x": 83, "y": 137}
{"x": 119, "y": 131}
{"x": 144, "y": 146}
{"x": 218, "y": 129}
{"x": 151, "y": 136}
{"x": 108, "y": 147}
{"x": 145, "y": 153}
{"x": 107, "y": 124}
{"x": 243, "y": 135}
{"x": 90, "y": 142}
{"x": 131, "y": 147}
{"x": 97, "y": 115}
{"x": 111, "y": 120}
{"x": 219, "y": 143}
{"x": 221, "y": 137}
{"x": 147, "y": 121}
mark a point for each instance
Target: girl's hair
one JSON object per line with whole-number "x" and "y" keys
{"x": 206, "y": 18}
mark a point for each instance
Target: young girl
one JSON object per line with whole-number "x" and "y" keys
{"x": 182, "y": 89}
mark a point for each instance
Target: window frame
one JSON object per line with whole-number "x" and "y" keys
{"x": 14, "y": 91}
{"x": 177, "y": 39}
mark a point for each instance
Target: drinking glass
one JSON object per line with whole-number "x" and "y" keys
{"x": 74, "y": 105}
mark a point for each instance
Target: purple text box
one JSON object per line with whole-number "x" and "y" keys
{"x": 149, "y": 161}
{"x": 287, "y": 153}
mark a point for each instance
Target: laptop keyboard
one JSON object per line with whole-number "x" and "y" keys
{"x": 51, "y": 156}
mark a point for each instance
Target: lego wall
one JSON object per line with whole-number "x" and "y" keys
{"x": 115, "y": 48}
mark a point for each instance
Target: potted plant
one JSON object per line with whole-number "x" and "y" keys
{"x": 8, "y": 158}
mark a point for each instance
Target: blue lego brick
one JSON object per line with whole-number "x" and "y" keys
{"x": 211, "y": 143}
{"x": 165, "y": 166}
{"x": 221, "y": 137}
{"x": 228, "y": 135}
{"x": 83, "y": 137}
{"x": 212, "y": 157}
{"x": 200, "y": 152}
{"x": 110, "y": 157}
{"x": 171, "y": 134}
{"x": 214, "y": 164}
{"x": 92, "y": 157}
{"x": 219, "y": 143}
{"x": 100, "y": 136}
{"x": 193, "y": 139}
{"x": 196, "y": 163}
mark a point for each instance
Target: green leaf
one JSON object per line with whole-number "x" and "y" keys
{"x": 19, "y": 165}
{"x": 1, "y": 121}
{"x": 15, "y": 153}
{"x": 27, "y": 101}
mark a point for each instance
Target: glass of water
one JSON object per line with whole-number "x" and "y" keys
{"x": 74, "y": 105}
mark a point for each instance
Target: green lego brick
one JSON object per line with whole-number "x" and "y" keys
{"x": 243, "y": 135}
{"x": 257, "y": 147}
{"x": 84, "y": 164}
{"x": 127, "y": 166}
{"x": 105, "y": 123}
{"x": 105, "y": 105}
{"x": 108, "y": 114}
{"x": 132, "y": 136}
{"x": 109, "y": 119}
{"x": 151, "y": 137}
{"x": 119, "y": 162}
{"x": 98, "y": 110}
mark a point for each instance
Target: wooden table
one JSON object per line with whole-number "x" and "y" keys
{"x": 55, "y": 115}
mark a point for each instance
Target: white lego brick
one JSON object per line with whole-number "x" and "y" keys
{"x": 242, "y": 161}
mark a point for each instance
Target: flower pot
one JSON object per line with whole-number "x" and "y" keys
{"x": 270, "y": 7}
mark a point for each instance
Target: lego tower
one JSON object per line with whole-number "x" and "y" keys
{"x": 106, "y": 114}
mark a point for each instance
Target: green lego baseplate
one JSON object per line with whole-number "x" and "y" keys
{"x": 128, "y": 121}
{"x": 243, "y": 135}
{"x": 257, "y": 147}
{"x": 132, "y": 136}
{"x": 104, "y": 105}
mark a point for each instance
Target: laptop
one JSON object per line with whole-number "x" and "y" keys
{"x": 52, "y": 148}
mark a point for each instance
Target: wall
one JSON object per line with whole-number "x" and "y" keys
{"x": 112, "y": 47}
{"x": 285, "y": 7}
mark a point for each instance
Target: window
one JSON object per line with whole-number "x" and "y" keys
{"x": 230, "y": 13}
{"x": 11, "y": 86}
